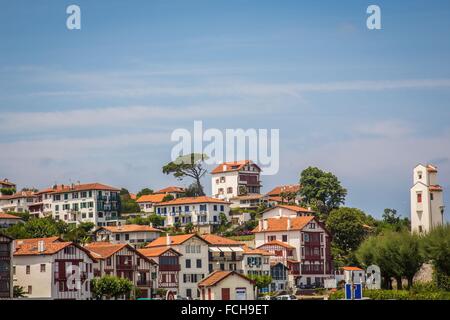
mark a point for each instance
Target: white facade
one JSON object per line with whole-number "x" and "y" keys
{"x": 128, "y": 234}
{"x": 286, "y": 211}
{"x": 230, "y": 180}
{"x": 427, "y": 204}
{"x": 18, "y": 202}
{"x": 46, "y": 276}
{"x": 232, "y": 286}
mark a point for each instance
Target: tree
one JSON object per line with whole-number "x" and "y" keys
{"x": 189, "y": 227}
{"x": 109, "y": 287}
{"x": 261, "y": 281}
{"x": 192, "y": 191}
{"x": 7, "y": 191}
{"x": 81, "y": 233}
{"x": 18, "y": 292}
{"x": 321, "y": 190}
{"x": 144, "y": 192}
{"x": 348, "y": 229}
{"x": 168, "y": 197}
{"x": 156, "y": 220}
{"x": 390, "y": 216}
{"x": 393, "y": 222}
{"x": 37, "y": 228}
{"x": 436, "y": 248}
{"x": 188, "y": 166}
{"x": 128, "y": 205}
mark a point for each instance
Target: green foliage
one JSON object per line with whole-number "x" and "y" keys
{"x": 18, "y": 292}
{"x": 25, "y": 216}
{"x": 397, "y": 254}
{"x": 396, "y": 295}
{"x": 7, "y": 191}
{"x": 192, "y": 191}
{"x": 144, "y": 192}
{"x": 191, "y": 166}
{"x": 110, "y": 287}
{"x": 436, "y": 247}
{"x": 347, "y": 227}
{"x": 81, "y": 233}
{"x": 37, "y": 228}
{"x": 321, "y": 190}
{"x": 261, "y": 281}
{"x": 189, "y": 227}
{"x": 392, "y": 222}
{"x": 153, "y": 219}
{"x": 288, "y": 196}
{"x": 168, "y": 197}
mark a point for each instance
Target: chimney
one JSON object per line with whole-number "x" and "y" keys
{"x": 279, "y": 212}
{"x": 151, "y": 224}
{"x": 289, "y": 223}
{"x": 265, "y": 224}
{"x": 224, "y": 167}
{"x": 260, "y": 225}
{"x": 168, "y": 240}
{"x": 41, "y": 246}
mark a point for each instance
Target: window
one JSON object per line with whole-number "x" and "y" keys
{"x": 230, "y": 190}
{"x": 127, "y": 237}
{"x": 431, "y": 197}
{"x": 66, "y": 196}
{"x": 43, "y": 267}
{"x": 188, "y": 263}
{"x": 222, "y": 179}
{"x": 14, "y": 270}
{"x": 117, "y": 237}
{"x": 419, "y": 198}
{"x": 285, "y": 238}
{"x": 30, "y": 289}
{"x": 419, "y": 174}
{"x": 215, "y": 207}
{"x": 199, "y": 263}
{"x": 312, "y": 225}
{"x": 186, "y": 208}
{"x": 271, "y": 238}
{"x": 57, "y": 207}
{"x": 222, "y": 208}
{"x": 108, "y": 262}
{"x": 28, "y": 270}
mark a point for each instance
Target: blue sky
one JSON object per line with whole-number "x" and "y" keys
{"x": 100, "y": 103}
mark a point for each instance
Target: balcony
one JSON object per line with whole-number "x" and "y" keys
{"x": 125, "y": 267}
{"x": 5, "y": 254}
{"x": 169, "y": 267}
{"x": 226, "y": 258}
{"x": 144, "y": 283}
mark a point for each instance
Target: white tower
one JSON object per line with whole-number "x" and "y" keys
{"x": 427, "y": 203}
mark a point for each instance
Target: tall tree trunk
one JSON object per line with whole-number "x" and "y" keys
{"x": 399, "y": 283}
{"x": 410, "y": 281}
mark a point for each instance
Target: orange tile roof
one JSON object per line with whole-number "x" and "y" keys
{"x": 153, "y": 198}
{"x": 133, "y": 196}
{"x": 352, "y": 269}
{"x": 79, "y": 187}
{"x": 36, "y": 240}
{"x": 7, "y": 183}
{"x": 217, "y": 276}
{"x": 436, "y": 188}
{"x": 8, "y": 216}
{"x": 285, "y": 188}
{"x": 174, "y": 240}
{"x": 248, "y": 250}
{"x": 104, "y": 250}
{"x": 156, "y": 252}
{"x": 171, "y": 189}
{"x": 280, "y": 224}
{"x": 277, "y": 243}
{"x": 431, "y": 168}
{"x": 291, "y": 207}
{"x": 21, "y": 194}
{"x": 232, "y": 166}
{"x": 26, "y": 247}
{"x": 220, "y": 241}
{"x": 130, "y": 228}
{"x": 192, "y": 200}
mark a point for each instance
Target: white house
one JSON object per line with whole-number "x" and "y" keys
{"x": 8, "y": 220}
{"x": 285, "y": 210}
{"x": 224, "y": 254}
{"x": 174, "y": 191}
{"x": 133, "y": 234}
{"x": 48, "y": 268}
{"x": 427, "y": 204}
{"x": 233, "y": 179}
{"x": 6, "y": 184}
{"x": 203, "y": 212}
{"x": 227, "y": 285}
{"x": 93, "y": 202}
{"x": 147, "y": 202}
{"x": 301, "y": 243}
{"x": 193, "y": 261}
{"x": 18, "y": 202}
{"x": 283, "y": 194}
{"x": 256, "y": 261}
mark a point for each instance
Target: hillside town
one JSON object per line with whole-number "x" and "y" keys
{"x": 297, "y": 241}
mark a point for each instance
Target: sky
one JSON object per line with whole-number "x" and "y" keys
{"x": 99, "y": 104}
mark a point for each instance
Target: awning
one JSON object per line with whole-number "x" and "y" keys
{"x": 237, "y": 249}
{"x": 225, "y": 249}
{"x": 214, "y": 249}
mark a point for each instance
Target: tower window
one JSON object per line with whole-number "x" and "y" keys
{"x": 431, "y": 196}
{"x": 419, "y": 198}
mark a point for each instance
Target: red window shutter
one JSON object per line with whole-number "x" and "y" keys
{"x": 209, "y": 293}
{"x": 419, "y": 198}
{"x": 225, "y": 293}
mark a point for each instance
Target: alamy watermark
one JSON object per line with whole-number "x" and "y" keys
{"x": 262, "y": 146}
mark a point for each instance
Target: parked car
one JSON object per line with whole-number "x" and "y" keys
{"x": 287, "y": 297}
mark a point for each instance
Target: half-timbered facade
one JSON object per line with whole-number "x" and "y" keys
{"x": 168, "y": 260}
{"x": 48, "y": 268}
{"x": 123, "y": 261}
{"x": 301, "y": 243}
{"x": 194, "y": 260}
{"x": 224, "y": 254}
{"x": 6, "y": 275}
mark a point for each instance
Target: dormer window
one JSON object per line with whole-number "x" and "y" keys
{"x": 419, "y": 174}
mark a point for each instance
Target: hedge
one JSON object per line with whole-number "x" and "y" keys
{"x": 396, "y": 295}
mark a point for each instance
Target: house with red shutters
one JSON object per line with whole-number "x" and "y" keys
{"x": 168, "y": 261}
{"x": 123, "y": 261}
{"x": 301, "y": 243}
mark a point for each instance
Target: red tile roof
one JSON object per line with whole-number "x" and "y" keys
{"x": 352, "y": 269}
{"x": 217, "y": 276}
{"x": 431, "y": 168}
{"x": 220, "y": 241}
{"x": 153, "y": 198}
{"x": 248, "y": 250}
{"x": 291, "y": 207}
{"x": 7, "y": 183}
{"x": 192, "y": 200}
{"x": 174, "y": 240}
{"x": 157, "y": 251}
{"x": 8, "y": 216}
{"x": 21, "y": 194}
{"x": 103, "y": 250}
{"x": 171, "y": 189}
{"x": 285, "y": 188}
{"x": 281, "y": 224}
{"x": 436, "y": 188}
{"x": 232, "y": 166}
{"x": 79, "y": 187}
{"x": 277, "y": 243}
{"x": 130, "y": 228}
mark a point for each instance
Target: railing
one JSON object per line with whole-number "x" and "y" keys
{"x": 5, "y": 253}
{"x": 226, "y": 258}
{"x": 312, "y": 257}
{"x": 169, "y": 267}
{"x": 125, "y": 267}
